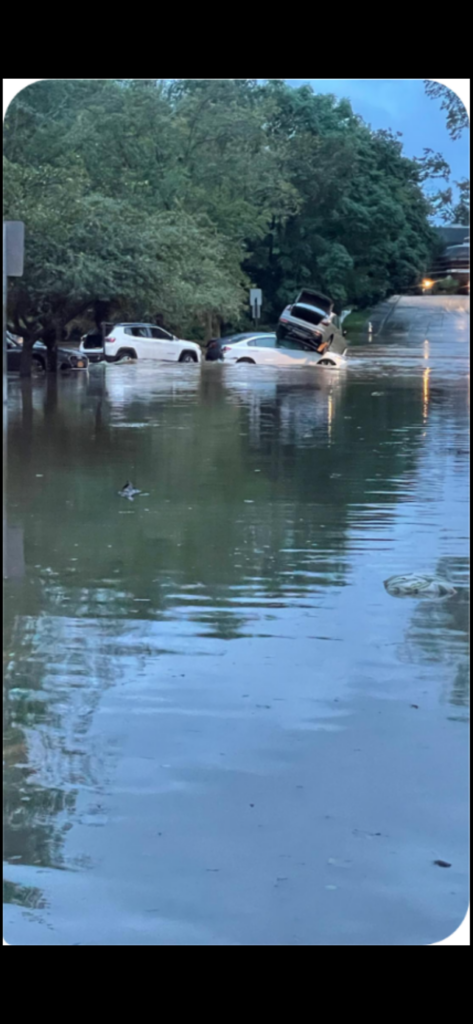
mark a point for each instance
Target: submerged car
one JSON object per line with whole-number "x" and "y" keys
{"x": 310, "y": 320}
{"x": 67, "y": 359}
{"x": 147, "y": 341}
{"x": 267, "y": 350}
{"x": 14, "y": 350}
{"x": 217, "y": 347}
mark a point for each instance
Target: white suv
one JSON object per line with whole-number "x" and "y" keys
{"x": 146, "y": 341}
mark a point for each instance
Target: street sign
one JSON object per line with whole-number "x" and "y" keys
{"x": 256, "y": 301}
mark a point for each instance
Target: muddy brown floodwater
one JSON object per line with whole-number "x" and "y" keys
{"x": 220, "y": 728}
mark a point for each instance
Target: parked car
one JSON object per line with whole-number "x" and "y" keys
{"x": 146, "y": 341}
{"x": 91, "y": 345}
{"x": 266, "y": 350}
{"x": 310, "y": 319}
{"x": 68, "y": 359}
{"x": 14, "y": 350}
{"x": 216, "y": 347}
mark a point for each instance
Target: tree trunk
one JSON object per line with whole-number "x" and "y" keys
{"x": 212, "y": 326}
{"x": 25, "y": 361}
{"x": 50, "y": 338}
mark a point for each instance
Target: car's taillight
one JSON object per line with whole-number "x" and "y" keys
{"x": 110, "y": 341}
{"x": 227, "y": 348}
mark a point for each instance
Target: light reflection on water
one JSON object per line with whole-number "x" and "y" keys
{"x": 224, "y": 644}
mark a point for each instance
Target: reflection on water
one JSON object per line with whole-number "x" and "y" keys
{"x": 166, "y": 658}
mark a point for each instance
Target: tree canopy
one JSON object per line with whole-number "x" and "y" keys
{"x": 147, "y": 197}
{"x": 457, "y": 115}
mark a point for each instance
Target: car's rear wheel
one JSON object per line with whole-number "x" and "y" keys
{"x": 246, "y": 361}
{"x": 188, "y": 357}
{"x": 125, "y": 353}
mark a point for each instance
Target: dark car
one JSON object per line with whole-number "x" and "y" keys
{"x": 14, "y": 350}
{"x": 215, "y": 347}
{"x": 67, "y": 359}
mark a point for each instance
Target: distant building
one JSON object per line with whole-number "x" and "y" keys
{"x": 454, "y": 261}
{"x": 454, "y": 234}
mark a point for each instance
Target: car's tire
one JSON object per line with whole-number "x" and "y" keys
{"x": 326, "y": 362}
{"x": 38, "y": 365}
{"x": 125, "y": 353}
{"x": 187, "y": 357}
{"x": 246, "y": 361}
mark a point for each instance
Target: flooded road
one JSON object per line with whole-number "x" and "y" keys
{"x": 220, "y": 728}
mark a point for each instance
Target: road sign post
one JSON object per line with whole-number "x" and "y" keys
{"x": 256, "y": 301}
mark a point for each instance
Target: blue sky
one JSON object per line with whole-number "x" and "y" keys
{"x": 403, "y": 106}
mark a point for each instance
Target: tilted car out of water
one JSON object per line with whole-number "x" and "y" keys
{"x": 310, "y": 321}
{"x": 267, "y": 350}
{"x": 309, "y": 333}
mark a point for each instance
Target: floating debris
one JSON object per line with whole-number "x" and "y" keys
{"x": 442, "y": 863}
{"x": 416, "y": 585}
{"x": 128, "y": 491}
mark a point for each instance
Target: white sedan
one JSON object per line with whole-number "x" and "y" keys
{"x": 264, "y": 350}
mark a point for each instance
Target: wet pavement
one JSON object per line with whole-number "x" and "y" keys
{"x": 220, "y": 728}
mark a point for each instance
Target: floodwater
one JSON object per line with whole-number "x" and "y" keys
{"x": 220, "y": 729}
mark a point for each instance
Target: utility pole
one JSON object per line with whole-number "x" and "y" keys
{"x": 13, "y": 251}
{"x": 13, "y": 257}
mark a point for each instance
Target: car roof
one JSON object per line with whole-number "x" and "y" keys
{"x": 136, "y": 323}
{"x": 248, "y": 334}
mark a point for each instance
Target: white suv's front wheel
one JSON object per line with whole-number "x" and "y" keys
{"x": 188, "y": 357}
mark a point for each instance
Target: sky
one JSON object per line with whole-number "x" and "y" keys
{"x": 400, "y": 104}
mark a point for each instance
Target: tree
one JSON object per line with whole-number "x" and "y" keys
{"x": 146, "y": 197}
{"x": 82, "y": 248}
{"x": 457, "y": 116}
{"x": 461, "y": 212}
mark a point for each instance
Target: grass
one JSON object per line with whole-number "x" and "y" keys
{"x": 356, "y": 321}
